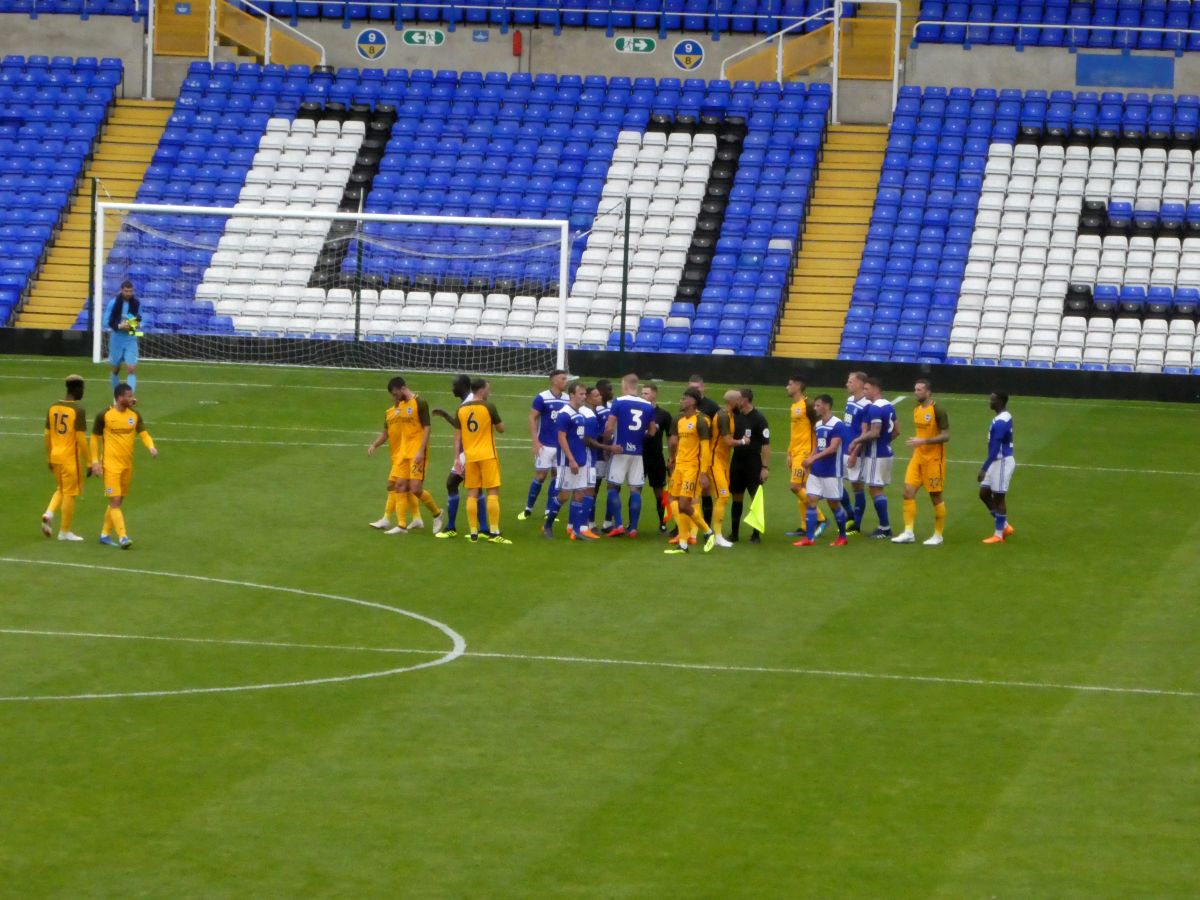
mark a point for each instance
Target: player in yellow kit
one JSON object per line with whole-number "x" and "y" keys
{"x": 66, "y": 453}
{"x": 112, "y": 457}
{"x": 691, "y": 461}
{"x": 801, "y": 443}
{"x": 723, "y": 443}
{"x": 927, "y": 468}
{"x": 475, "y": 427}
{"x": 406, "y": 430}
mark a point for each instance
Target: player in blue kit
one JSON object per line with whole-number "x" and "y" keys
{"x": 825, "y": 472}
{"x": 545, "y": 441}
{"x": 599, "y": 400}
{"x": 856, "y": 406}
{"x": 632, "y": 420}
{"x": 873, "y": 449}
{"x": 997, "y": 470}
{"x": 572, "y": 476}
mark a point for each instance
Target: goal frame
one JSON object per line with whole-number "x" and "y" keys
{"x": 103, "y": 207}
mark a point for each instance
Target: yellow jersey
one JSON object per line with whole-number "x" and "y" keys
{"x": 117, "y": 429}
{"x": 694, "y": 447}
{"x": 66, "y": 432}
{"x": 930, "y": 421}
{"x": 407, "y": 421}
{"x": 476, "y": 421}
{"x": 722, "y": 428}
{"x": 393, "y": 424}
{"x": 803, "y": 435}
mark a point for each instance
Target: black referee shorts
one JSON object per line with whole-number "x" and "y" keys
{"x": 744, "y": 478}
{"x": 656, "y": 472}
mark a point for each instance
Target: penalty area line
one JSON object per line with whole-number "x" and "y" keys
{"x": 839, "y": 674}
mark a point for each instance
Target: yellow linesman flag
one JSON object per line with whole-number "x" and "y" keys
{"x": 755, "y": 516}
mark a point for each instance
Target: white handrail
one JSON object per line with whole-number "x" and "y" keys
{"x": 1061, "y": 26}
{"x": 776, "y": 36}
{"x": 271, "y": 21}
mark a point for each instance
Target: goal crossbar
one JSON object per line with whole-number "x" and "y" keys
{"x": 563, "y": 227}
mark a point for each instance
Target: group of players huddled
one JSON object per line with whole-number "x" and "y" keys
{"x": 584, "y": 440}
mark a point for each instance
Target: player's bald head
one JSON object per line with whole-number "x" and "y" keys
{"x": 629, "y": 383}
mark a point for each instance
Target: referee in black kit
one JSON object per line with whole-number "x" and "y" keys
{"x": 749, "y": 464}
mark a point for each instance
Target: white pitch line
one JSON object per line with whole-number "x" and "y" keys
{"x": 636, "y": 663}
{"x": 458, "y": 642}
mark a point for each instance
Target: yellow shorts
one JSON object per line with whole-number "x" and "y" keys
{"x": 116, "y": 482}
{"x": 928, "y": 473}
{"x": 67, "y": 477}
{"x": 407, "y": 469}
{"x": 685, "y": 483}
{"x": 719, "y": 479}
{"x": 799, "y": 476}
{"x": 484, "y": 473}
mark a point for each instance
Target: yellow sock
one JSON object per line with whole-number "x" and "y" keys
{"x": 430, "y": 503}
{"x": 414, "y": 507}
{"x": 118, "y": 520}
{"x": 910, "y": 514}
{"x": 719, "y": 505}
{"x": 493, "y": 508}
{"x": 68, "y": 513}
{"x": 473, "y": 514}
{"x": 390, "y": 509}
{"x": 675, "y": 512}
{"x": 697, "y": 517}
{"x": 107, "y": 526}
{"x": 685, "y": 528}
{"x": 939, "y": 517}
{"x": 55, "y": 503}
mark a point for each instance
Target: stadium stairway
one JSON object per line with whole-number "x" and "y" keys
{"x": 832, "y": 244}
{"x": 126, "y": 145}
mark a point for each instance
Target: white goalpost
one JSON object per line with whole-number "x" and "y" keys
{"x": 301, "y": 283}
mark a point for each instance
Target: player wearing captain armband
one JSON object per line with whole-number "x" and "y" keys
{"x": 111, "y": 448}
{"x": 122, "y": 319}
{"x": 66, "y": 453}
{"x": 475, "y": 430}
{"x": 824, "y": 467}
{"x": 997, "y": 470}
{"x": 573, "y": 477}
{"x": 691, "y": 460}
{"x": 631, "y": 423}
{"x": 927, "y": 468}
{"x": 544, "y": 440}
{"x": 461, "y": 388}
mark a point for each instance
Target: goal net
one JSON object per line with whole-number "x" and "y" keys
{"x": 293, "y": 284}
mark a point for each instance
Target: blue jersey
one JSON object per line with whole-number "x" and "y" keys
{"x": 856, "y": 412}
{"x": 572, "y": 423}
{"x": 634, "y": 416}
{"x": 1000, "y": 438}
{"x": 885, "y": 414}
{"x": 547, "y": 404}
{"x": 830, "y": 466}
{"x": 603, "y": 413}
{"x": 592, "y": 428}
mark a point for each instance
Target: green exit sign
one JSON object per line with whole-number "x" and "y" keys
{"x": 423, "y": 38}
{"x": 635, "y": 45}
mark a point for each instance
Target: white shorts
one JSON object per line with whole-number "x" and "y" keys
{"x": 600, "y": 467}
{"x": 999, "y": 474}
{"x": 877, "y": 470}
{"x": 547, "y": 458}
{"x": 626, "y": 468}
{"x": 823, "y": 488}
{"x": 852, "y": 472}
{"x": 568, "y": 481}
{"x": 461, "y": 466}
{"x": 592, "y": 477}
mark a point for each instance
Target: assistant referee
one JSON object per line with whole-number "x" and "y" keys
{"x": 749, "y": 464}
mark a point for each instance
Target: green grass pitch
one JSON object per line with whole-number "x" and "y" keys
{"x": 880, "y": 721}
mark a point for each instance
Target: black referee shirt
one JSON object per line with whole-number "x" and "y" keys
{"x": 754, "y": 426}
{"x": 652, "y": 447}
{"x": 709, "y": 407}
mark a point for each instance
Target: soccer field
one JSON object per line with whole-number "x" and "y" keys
{"x": 265, "y": 697}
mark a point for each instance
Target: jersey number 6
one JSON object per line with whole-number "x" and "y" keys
{"x": 472, "y": 425}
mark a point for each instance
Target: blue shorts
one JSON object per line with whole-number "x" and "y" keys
{"x": 122, "y": 348}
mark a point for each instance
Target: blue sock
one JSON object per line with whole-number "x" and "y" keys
{"x": 589, "y": 510}
{"x": 810, "y": 522}
{"x": 131, "y": 380}
{"x": 860, "y": 507}
{"x": 612, "y": 506}
{"x": 1001, "y": 521}
{"x": 483, "y": 522}
{"x": 451, "y": 511}
{"x": 840, "y": 518}
{"x": 576, "y": 516}
{"x": 553, "y": 504}
{"x": 535, "y": 488}
{"x": 635, "y": 510}
{"x": 551, "y": 514}
{"x": 845, "y": 498}
{"x": 881, "y": 510}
